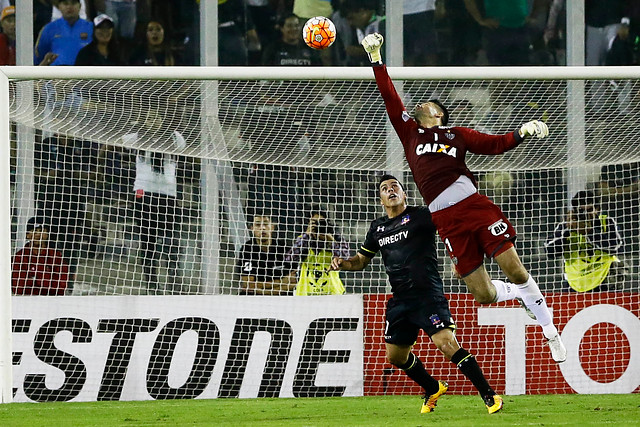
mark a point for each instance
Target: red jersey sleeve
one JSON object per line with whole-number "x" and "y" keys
{"x": 398, "y": 115}
{"x": 482, "y": 143}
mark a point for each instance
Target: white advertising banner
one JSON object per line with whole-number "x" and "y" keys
{"x": 172, "y": 347}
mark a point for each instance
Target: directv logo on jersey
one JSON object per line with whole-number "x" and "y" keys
{"x": 393, "y": 238}
{"x": 436, "y": 148}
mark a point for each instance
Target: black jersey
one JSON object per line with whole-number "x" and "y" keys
{"x": 265, "y": 266}
{"x": 408, "y": 247}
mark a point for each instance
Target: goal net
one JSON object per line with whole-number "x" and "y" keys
{"x": 169, "y": 220}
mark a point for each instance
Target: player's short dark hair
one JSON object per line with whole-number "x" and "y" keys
{"x": 584, "y": 197}
{"x": 387, "y": 177}
{"x": 445, "y": 112}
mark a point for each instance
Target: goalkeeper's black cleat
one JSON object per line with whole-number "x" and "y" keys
{"x": 431, "y": 401}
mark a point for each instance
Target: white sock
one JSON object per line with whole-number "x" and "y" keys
{"x": 533, "y": 299}
{"x": 504, "y": 291}
{"x": 549, "y": 331}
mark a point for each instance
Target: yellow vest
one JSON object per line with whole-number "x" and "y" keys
{"x": 582, "y": 270}
{"x": 315, "y": 279}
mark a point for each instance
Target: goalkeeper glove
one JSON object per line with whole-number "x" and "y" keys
{"x": 372, "y": 44}
{"x": 535, "y": 127}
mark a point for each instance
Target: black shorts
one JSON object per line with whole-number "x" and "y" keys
{"x": 405, "y": 318}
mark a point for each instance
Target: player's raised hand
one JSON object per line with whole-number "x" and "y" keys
{"x": 372, "y": 44}
{"x": 534, "y": 127}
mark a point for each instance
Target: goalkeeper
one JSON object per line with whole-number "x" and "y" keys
{"x": 470, "y": 225}
{"x": 407, "y": 241}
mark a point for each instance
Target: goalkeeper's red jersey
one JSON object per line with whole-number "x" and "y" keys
{"x": 436, "y": 155}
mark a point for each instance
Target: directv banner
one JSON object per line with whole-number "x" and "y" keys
{"x": 180, "y": 347}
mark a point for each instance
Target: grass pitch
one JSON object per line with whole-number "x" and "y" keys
{"x": 574, "y": 410}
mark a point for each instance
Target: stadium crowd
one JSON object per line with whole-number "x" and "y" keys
{"x": 267, "y": 33}
{"x": 255, "y": 32}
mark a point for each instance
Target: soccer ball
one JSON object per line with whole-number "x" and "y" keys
{"x": 319, "y": 32}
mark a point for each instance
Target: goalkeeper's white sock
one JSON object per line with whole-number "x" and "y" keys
{"x": 505, "y": 291}
{"x": 533, "y": 299}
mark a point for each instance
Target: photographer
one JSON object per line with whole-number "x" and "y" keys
{"x": 588, "y": 241}
{"x": 311, "y": 256}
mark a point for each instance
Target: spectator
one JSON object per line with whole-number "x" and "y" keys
{"x": 104, "y": 49}
{"x": 419, "y": 18}
{"x": 236, "y": 33}
{"x": 312, "y": 253}
{"x": 156, "y": 49}
{"x": 56, "y": 12}
{"x": 68, "y": 172}
{"x": 589, "y": 241}
{"x": 42, "y": 12}
{"x": 602, "y": 20}
{"x": 156, "y": 199}
{"x": 261, "y": 261}
{"x": 345, "y": 35}
{"x": 506, "y": 35}
{"x": 265, "y": 18}
{"x": 362, "y": 17}
{"x": 61, "y": 40}
{"x": 620, "y": 192}
{"x": 37, "y": 269}
{"x": 290, "y": 49}
{"x": 8, "y": 36}
{"x": 124, "y": 16}
{"x": 620, "y": 51}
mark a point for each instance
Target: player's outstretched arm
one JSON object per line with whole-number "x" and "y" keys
{"x": 372, "y": 45}
{"x": 535, "y": 128}
{"x": 355, "y": 263}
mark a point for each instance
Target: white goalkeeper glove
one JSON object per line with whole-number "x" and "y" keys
{"x": 372, "y": 44}
{"x": 535, "y": 127}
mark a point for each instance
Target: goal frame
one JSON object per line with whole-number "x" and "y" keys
{"x": 576, "y": 75}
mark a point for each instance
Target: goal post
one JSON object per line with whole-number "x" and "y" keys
{"x": 5, "y": 248}
{"x": 155, "y": 292}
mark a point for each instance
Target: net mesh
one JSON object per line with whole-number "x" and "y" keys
{"x": 122, "y": 173}
{"x": 337, "y": 124}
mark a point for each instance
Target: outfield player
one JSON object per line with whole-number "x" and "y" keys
{"x": 406, "y": 239}
{"x": 470, "y": 225}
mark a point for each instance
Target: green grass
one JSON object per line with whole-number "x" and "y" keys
{"x": 619, "y": 410}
